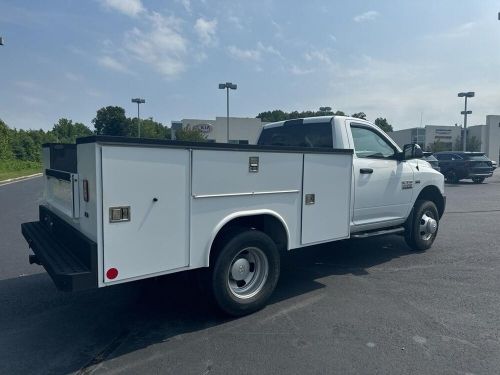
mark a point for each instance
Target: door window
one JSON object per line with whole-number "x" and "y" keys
{"x": 369, "y": 144}
{"x": 443, "y": 156}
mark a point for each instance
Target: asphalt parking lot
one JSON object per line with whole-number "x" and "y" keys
{"x": 366, "y": 306}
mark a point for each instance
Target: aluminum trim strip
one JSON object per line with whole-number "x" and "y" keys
{"x": 244, "y": 194}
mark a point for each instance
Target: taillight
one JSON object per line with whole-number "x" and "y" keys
{"x": 86, "y": 190}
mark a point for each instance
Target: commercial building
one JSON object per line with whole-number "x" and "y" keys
{"x": 242, "y": 130}
{"x": 428, "y": 135}
{"x": 450, "y": 137}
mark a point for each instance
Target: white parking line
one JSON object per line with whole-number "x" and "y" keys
{"x": 19, "y": 179}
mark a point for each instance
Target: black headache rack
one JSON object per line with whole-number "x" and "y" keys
{"x": 69, "y": 257}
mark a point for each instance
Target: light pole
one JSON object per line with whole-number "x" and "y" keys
{"x": 227, "y": 86}
{"x": 1, "y": 41}
{"x": 139, "y": 101}
{"x": 469, "y": 94}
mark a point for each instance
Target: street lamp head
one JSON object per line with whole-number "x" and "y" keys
{"x": 228, "y": 85}
{"x": 469, "y": 94}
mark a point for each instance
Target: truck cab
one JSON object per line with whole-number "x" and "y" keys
{"x": 385, "y": 183}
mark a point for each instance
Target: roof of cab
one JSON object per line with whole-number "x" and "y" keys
{"x": 306, "y": 120}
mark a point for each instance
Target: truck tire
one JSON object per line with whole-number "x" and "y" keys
{"x": 423, "y": 228}
{"x": 451, "y": 177}
{"x": 478, "y": 180}
{"x": 245, "y": 272}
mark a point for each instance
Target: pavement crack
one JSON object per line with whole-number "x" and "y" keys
{"x": 100, "y": 357}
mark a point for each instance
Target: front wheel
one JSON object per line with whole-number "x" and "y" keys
{"x": 422, "y": 230}
{"x": 245, "y": 272}
{"x": 478, "y": 180}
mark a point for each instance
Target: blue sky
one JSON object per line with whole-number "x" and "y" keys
{"x": 395, "y": 59}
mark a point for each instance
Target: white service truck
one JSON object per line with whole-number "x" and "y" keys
{"x": 122, "y": 209}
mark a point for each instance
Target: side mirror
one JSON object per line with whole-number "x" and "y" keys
{"x": 411, "y": 151}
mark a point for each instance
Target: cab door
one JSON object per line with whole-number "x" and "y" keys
{"x": 383, "y": 185}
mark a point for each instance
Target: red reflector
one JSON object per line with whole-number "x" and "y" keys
{"x": 112, "y": 273}
{"x": 85, "y": 190}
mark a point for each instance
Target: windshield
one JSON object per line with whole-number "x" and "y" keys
{"x": 476, "y": 157}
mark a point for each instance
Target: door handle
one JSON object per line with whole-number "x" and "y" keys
{"x": 366, "y": 171}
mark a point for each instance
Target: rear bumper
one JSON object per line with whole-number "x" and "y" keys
{"x": 489, "y": 174}
{"x": 69, "y": 257}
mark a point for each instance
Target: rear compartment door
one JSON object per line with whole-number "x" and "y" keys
{"x": 151, "y": 186}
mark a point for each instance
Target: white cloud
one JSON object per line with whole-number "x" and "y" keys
{"x": 244, "y": 54}
{"x": 333, "y": 38}
{"x": 27, "y": 85}
{"x": 457, "y": 32}
{"x": 236, "y": 21}
{"x": 186, "y": 4}
{"x": 113, "y": 64}
{"x": 32, "y": 100}
{"x": 253, "y": 54}
{"x": 130, "y": 8}
{"x": 206, "y": 29}
{"x": 366, "y": 16}
{"x": 162, "y": 46}
{"x": 321, "y": 56}
{"x": 269, "y": 49}
{"x": 295, "y": 70}
{"x": 73, "y": 77}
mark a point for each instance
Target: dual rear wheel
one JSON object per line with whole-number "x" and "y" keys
{"x": 245, "y": 272}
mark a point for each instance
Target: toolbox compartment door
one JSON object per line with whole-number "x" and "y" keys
{"x": 153, "y": 185}
{"x": 326, "y": 199}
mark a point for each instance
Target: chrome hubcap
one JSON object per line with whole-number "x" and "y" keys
{"x": 428, "y": 226}
{"x": 248, "y": 273}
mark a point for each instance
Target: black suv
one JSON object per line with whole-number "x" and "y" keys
{"x": 458, "y": 165}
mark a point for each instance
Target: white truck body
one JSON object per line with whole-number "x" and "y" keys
{"x": 175, "y": 198}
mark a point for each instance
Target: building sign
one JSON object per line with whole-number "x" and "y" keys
{"x": 204, "y": 128}
{"x": 443, "y": 131}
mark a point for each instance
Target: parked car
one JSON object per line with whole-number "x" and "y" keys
{"x": 459, "y": 165}
{"x": 494, "y": 163}
{"x": 429, "y": 157}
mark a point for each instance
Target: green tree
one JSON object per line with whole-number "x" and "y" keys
{"x": 67, "y": 132}
{"x": 383, "y": 124}
{"x": 279, "y": 115}
{"x": 111, "y": 120}
{"x": 24, "y": 147}
{"x": 473, "y": 144}
{"x": 360, "y": 115}
{"x": 438, "y": 146}
{"x": 190, "y": 134}
{"x": 149, "y": 129}
{"x": 5, "y": 140}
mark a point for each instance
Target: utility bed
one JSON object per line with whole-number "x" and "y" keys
{"x": 170, "y": 200}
